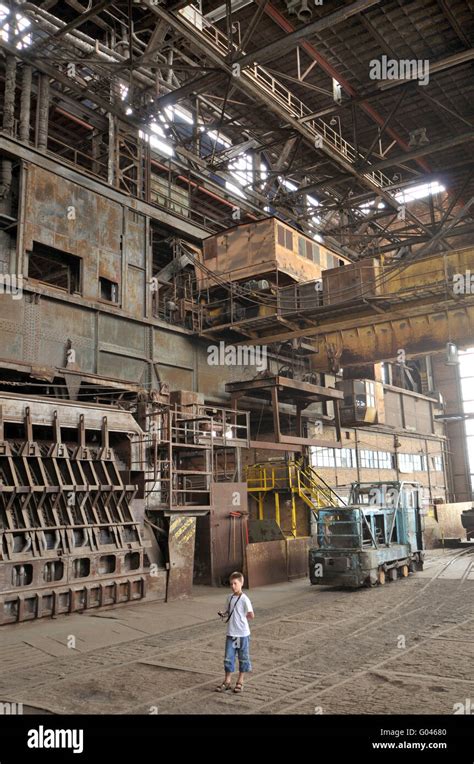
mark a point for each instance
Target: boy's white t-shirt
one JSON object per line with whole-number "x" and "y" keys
{"x": 238, "y": 625}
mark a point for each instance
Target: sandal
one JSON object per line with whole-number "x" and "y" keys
{"x": 238, "y": 687}
{"x": 223, "y": 687}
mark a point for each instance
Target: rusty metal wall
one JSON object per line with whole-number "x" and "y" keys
{"x": 266, "y": 563}
{"x": 270, "y": 562}
{"x": 35, "y": 331}
{"x": 252, "y": 250}
{"x": 222, "y": 537}
{"x": 119, "y": 341}
{"x": 65, "y": 215}
{"x": 297, "y": 557}
{"x": 181, "y": 538}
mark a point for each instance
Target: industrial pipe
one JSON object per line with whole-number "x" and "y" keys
{"x": 111, "y": 152}
{"x": 43, "y": 112}
{"x": 9, "y": 96}
{"x": 25, "y": 103}
{"x": 83, "y": 42}
{"x": 7, "y": 126}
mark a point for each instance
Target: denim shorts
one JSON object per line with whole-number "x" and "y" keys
{"x": 241, "y": 646}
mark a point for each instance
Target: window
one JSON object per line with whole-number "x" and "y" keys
{"x": 466, "y": 372}
{"x": 367, "y": 459}
{"x": 347, "y": 457}
{"x": 411, "y": 462}
{"x": 379, "y": 528}
{"x": 370, "y": 394}
{"x": 437, "y": 463}
{"x": 344, "y": 457}
{"x": 375, "y": 459}
{"x": 301, "y": 246}
{"x": 360, "y": 395}
{"x": 385, "y": 460}
{"x": 281, "y": 235}
{"x": 285, "y": 237}
{"x": 324, "y": 457}
{"x": 52, "y": 266}
{"x": 405, "y": 462}
{"x": 108, "y": 290}
{"x": 308, "y": 249}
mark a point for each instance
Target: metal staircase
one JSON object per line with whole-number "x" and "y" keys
{"x": 289, "y": 477}
{"x": 311, "y": 487}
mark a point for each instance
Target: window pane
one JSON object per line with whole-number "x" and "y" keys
{"x": 469, "y": 426}
{"x": 466, "y": 361}
{"x": 281, "y": 235}
{"x": 467, "y": 387}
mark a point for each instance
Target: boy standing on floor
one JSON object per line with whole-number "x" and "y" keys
{"x": 236, "y": 615}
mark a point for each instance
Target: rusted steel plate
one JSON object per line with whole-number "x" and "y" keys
{"x": 221, "y": 537}
{"x": 182, "y": 534}
{"x": 266, "y": 563}
{"x": 42, "y": 413}
{"x": 228, "y": 532}
{"x": 297, "y": 556}
{"x": 47, "y": 553}
{"x": 264, "y": 530}
{"x": 134, "y": 243}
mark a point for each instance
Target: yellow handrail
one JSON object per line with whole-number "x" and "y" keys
{"x": 291, "y": 475}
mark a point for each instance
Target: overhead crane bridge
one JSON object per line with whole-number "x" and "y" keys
{"x": 417, "y": 304}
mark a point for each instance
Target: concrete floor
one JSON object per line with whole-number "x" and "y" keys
{"x": 407, "y": 647}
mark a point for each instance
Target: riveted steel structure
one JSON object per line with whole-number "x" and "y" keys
{"x": 214, "y": 220}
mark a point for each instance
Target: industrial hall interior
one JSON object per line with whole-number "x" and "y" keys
{"x": 236, "y": 349}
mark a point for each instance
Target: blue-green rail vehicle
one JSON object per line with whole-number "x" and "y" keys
{"x": 377, "y": 535}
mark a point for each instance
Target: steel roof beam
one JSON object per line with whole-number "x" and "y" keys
{"x": 290, "y": 40}
{"x": 327, "y": 67}
{"x": 421, "y": 151}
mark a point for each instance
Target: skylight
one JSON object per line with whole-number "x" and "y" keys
{"x": 419, "y": 192}
{"x": 20, "y": 24}
{"x": 155, "y": 142}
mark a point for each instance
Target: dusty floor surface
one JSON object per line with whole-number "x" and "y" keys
{"x": 407, "y": 647}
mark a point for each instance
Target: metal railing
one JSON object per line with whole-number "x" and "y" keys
{"x": 291, "y": 103}
{"x": 292, "y": 476}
